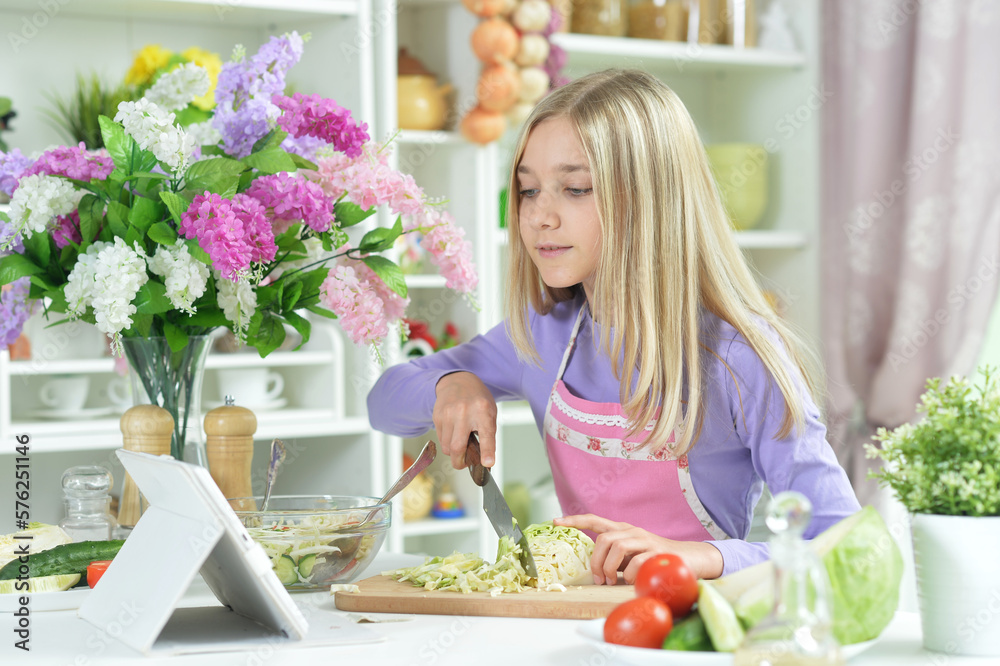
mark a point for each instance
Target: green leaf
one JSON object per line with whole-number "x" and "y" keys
{"x": 272, "y": 139}
{"x": 118, "y": 143}
{"x": 218, "y": 175}
{"x": 16, "y": 266}
{"x": 176, "y": 204}
{"x": 270, "y": 335}
{"x": 347, "y": 214}
{"x": 144, "y": 213}
{"x": 195, "y": 251}
{"x": 142, "y": 324}
{"x": 117, "y": 216}
{"x": 191, "y": 115}
{"x": 300, "y": 324}
{"x": 57, "y": 299}
{"x": 269, "y": 294}
{"x": 162, "y": 233}
{"x": 133, "y": 236}
{"x": 152, "y": 298}
{"x": 302, "y": 163}
{"x": 270, "y": 160}
{"x": 91, "y": 211}
{"x": 380, "y": 239}
{"x": 148, "y": 175}
{"x": 312, "y": 280}
{"x": 42, "y": 283}
{"x": 37, "y": 248}
{"x": 322, "y": 312}
{"x": 389, "y": 273}
{"x": 177, "y": 338}
{"x": 290, "y": 295}
{"x": 208, "y": 317}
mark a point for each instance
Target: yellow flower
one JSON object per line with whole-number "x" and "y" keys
{"x": 151, "y": 58}
{"x": 213, "y": 65}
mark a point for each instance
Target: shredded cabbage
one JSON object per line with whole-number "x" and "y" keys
{"x": 311, "y": 535}
{"x": 561, "y": 554}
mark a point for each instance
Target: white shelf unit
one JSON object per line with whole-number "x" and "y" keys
{"x": 332, "y": 449}
{"x": 712, "y": 81}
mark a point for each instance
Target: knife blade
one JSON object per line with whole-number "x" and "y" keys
{"x": 496, "y": 506}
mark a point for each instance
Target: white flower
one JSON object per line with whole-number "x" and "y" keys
{"x": 238, "y": 301}
{"x": 176, "y": 88}
{"x": 38, "y": 200}
{"x": 185, "y": 276}
{"x": 107, "y": 278}
{"x": 154, "y": 130}
{"x": 204, "y": 134}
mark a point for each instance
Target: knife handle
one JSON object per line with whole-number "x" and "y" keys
{"x": 472, "y": 460}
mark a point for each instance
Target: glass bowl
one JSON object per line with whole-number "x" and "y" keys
{"x": 316, "y": 540}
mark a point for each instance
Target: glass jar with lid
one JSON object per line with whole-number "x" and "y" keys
{"x": 658, "y": 19}
{"x": 87, "y": 494}
{"x": 600, "y": 17}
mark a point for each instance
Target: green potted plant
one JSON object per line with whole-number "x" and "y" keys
{"x": 945, "y": 469}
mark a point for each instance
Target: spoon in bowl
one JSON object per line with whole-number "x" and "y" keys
{"x": 277, "y": 457}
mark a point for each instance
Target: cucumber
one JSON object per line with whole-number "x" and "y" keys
{"x": 68, "y": 558}
{"x": 689, "y": 635}
{"x": 285, "y": 569}
{"x": 721, "y": 623}
{"x": 306, "y": 564}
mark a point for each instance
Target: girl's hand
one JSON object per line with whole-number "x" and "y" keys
{"x": 464, "y": 405}
{"x": 624, "y": 547}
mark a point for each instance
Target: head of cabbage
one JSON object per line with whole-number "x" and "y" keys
{"x": 561, "y": 554}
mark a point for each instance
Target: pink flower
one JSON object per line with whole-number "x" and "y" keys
{"x": 682, "y": 462}
{"x": 67, "y": 230}
{"x": 234, "y": 232}
{"x": 594, "y": 443}
{"x": 452, "y": 254}
{"x": 661, "y": 454}
{"x": 562, "y": 433}
{"x": 312, "y": 115}
{"x": 368, "y": 181}
{"x": 290, "y": 198}
{"x": 360, "y": 311}
{"x": 76, "y": 163}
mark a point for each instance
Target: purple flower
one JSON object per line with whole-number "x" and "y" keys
{"x": 15, "y": 309}
{"x": 7, "y": 231}
{"x": 76, "y": 163}
{"x": 244, "y": 112}
{"x": 12, "y": 165}
{"x": 312, "y": 115}
{"x": 305, "y": 146}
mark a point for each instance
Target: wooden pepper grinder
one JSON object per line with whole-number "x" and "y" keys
{"x": 229, "y": 434}
{"x": 145, "y": 428}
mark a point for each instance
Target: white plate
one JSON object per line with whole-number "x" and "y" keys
{"x": 277, "y": 403}
{"x": 73, "y": 414}
{"x": 593, "y": 631}
{"x": 46, "y": 601}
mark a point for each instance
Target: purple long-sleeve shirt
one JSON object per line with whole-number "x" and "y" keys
{"x": 736, "y": 453}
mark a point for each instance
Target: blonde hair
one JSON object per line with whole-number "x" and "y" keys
{"x": 667, "y": 251}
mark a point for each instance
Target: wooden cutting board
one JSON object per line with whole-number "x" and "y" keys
{"x": 382, "y": 594}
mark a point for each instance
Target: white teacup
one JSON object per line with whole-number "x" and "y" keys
{"x": 68, "y": 393}
{"x": 250, "y": 387}
{"x": 119, "y": 393}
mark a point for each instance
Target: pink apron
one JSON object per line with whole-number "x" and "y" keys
{"x": 598, "y": 469}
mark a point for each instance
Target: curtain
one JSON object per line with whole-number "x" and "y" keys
{"x": 910, "y": 206}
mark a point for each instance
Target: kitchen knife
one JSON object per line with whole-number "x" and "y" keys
{"x": 496, "y": 506}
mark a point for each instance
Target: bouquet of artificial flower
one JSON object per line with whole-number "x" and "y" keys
{"x": 240, "y": 221}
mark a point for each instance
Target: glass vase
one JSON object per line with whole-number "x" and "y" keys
{"x": 172, "y": 380}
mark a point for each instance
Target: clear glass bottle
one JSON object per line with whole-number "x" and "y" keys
{"x": 799, "y": 629}
{"x": 87, "y": 494}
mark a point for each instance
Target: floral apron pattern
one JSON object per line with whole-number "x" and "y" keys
{"x": 597, "y": 468}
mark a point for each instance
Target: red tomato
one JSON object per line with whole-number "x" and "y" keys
{"x": 95, "y": 570}
{"x": 639, "y": 622}
{"x": 667, "y": 578}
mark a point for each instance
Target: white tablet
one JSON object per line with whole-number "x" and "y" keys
{"x": 188, "y": 527}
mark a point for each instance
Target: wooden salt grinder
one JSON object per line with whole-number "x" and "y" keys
{"x": 145, "y": 428}
{"x": 229, "y": 444}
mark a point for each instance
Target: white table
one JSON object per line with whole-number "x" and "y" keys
{"x": 59, "y": 638}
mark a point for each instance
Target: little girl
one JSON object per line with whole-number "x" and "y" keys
{"x": 666, "y": 390}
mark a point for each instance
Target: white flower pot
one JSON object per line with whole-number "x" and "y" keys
{"x": 957, "y": 562}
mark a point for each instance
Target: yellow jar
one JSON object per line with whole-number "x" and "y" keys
{"x": 658, "y": 19}
{"x": 600, "y": 17}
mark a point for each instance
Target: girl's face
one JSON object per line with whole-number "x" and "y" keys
{"x": 559, "y": 223}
